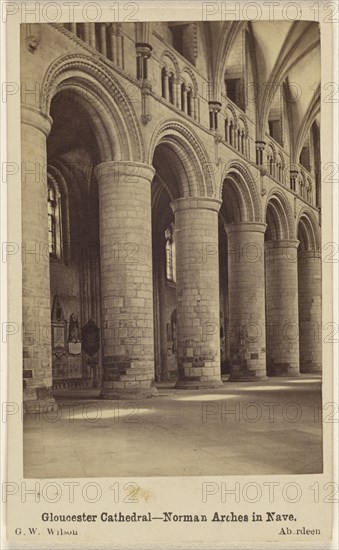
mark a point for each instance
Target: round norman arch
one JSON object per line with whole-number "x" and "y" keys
{"x": 172, "y": 57}
{"x": 238, "y": 187}
{"x": 279, "y": 217}
{"x": 189, "y": 157}
{"x": 189, "y": 72}
{"x": 308, "y": 230}
{"x": 270, "y": 145}
{"x": 230, "y": 107}
{"x": 93, "y": 87}
{"x": 244, "y": 121}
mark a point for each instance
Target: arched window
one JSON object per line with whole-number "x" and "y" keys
{"x": 189, "y": 102}
{"x": 309, "y": 191}
{"x": 270, "y": 161}
{"x": 170, "y": 254}
{"x": 171, "y": 88}
{"x": 54, "y": 220}
{"x": 183, "y": 93}
{"x": 226, "y": 130}
{"x": 231, "y": 129}
{"x": 280, "y": 167}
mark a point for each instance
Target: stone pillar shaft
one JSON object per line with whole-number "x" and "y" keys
{"x": 103, "y": 43}
{"x": 184, "y": 99}
{"x": 166, "y": 85}
{"x": 92, "y": 38}
{"x": 86, "y": 32}
{"x": 126, "y": 278}
{"x": 37, "y": 349}
{"x": 177, "y": 94}
{"x": 119, "y": 56}
{"x": 198, "y": 321}
{"x": 246, "y": 286}
{"x": 282, "y": 321}
{"x": 309, "y": 290}
{"x": 113, "y": 44}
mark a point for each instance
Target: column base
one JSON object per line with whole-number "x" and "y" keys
{"x": 36, "y": 406}
{"x": 198, "y": 384}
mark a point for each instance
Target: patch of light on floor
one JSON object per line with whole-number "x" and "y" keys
{"x": 265, "y": 388}
{"x": 206, "y": 397}
{"x": 306, "y": 381}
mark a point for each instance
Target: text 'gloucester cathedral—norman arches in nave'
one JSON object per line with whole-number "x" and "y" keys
{"x": 174, "y": 205}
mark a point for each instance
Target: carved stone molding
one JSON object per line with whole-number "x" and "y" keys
{"x": 104, "y": 78}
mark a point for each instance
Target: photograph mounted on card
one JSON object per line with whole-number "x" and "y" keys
{"x": 185, "y": 203}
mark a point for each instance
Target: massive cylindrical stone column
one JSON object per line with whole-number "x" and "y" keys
{"x": 197, "y": 283}
{"x": 126, "y": 278}
{"x": 37, "y": 349}
{"x": 309, "y": 286}
{"x": 282, "y": 320}
{"x": 246, "y": 288}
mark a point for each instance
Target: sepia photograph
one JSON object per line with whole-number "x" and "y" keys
{"x": 169, "y": 274}
{"x": 171, "y": 262}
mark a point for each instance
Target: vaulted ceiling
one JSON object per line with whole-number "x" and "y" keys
{"x": 281, "y": 51}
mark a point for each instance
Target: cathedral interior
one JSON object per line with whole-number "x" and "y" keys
{"x": 175, "y": 215}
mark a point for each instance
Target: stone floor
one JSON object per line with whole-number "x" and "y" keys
{"x": 271, "y": 427}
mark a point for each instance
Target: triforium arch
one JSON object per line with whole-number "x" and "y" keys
{"x": 282, "y": 328}
{"x": 103, "y": 98}
{"x": 242, "y": 304}
{"x": 309, "y": 292}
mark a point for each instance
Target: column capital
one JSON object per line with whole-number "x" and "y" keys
{"x": 214, "y": 106}
{"x": 115, "y": 169}
{"x": 143, "y": 48}
{"x": 239, "y": 227}
{"x": 282, "y": 243}
{"x": 194, "y": 203}
{"x": 37, "y": 119}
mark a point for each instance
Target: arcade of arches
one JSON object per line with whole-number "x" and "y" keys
{"x": 182, "y": 221}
